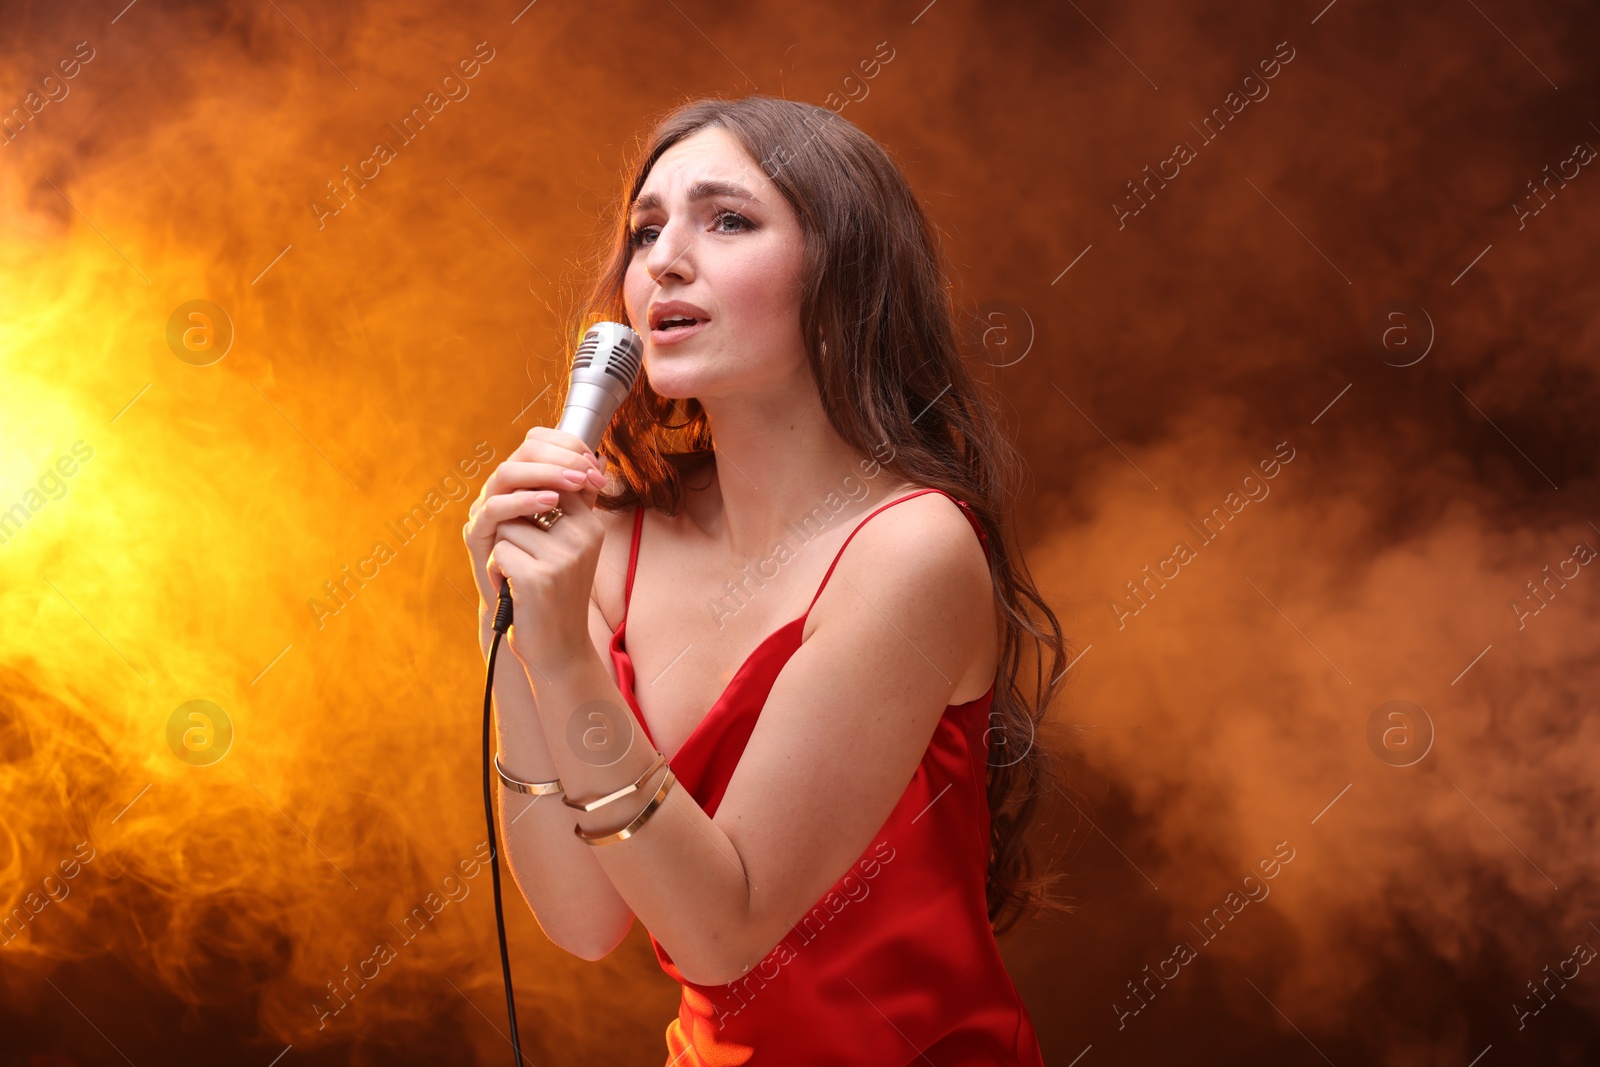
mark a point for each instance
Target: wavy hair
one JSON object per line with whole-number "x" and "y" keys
{"x": 880, "y": 337}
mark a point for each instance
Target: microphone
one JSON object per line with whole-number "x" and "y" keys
{"x": 604, "y": 370}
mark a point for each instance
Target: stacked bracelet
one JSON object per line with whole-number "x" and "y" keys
{"x": 638, "y": 820}
{"x": 517, "y": 785}
{"x": 620, "y": 793}
{"x": 554, "y": 786}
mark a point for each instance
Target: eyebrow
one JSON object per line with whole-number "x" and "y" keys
{"x": 700, "y": 190}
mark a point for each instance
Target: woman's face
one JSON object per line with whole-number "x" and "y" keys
{"x": 733, "y": 251}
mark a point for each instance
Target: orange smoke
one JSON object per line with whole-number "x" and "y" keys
{"x": 284, "y": 282}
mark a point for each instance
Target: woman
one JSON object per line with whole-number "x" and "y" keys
{"x": 791, "y": 762}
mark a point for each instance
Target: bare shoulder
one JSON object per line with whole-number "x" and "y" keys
{"x": 924, "y": 555}
{"x": 937, "y": 511}
{"x": 927, "y": 536}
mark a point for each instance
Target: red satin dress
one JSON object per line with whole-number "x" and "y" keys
{"x": 897, "y": 963}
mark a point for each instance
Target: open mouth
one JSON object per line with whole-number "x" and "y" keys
{"x": 676, "y": 328}
{"x": 674, "y": 320}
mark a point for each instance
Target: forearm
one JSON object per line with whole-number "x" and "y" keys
{"x": 679, "y": 872}
{"x": 576, "y": 905}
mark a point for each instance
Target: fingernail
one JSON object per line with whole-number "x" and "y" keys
{"x": 546, "y": 500}
{"x": 574, "y": 476}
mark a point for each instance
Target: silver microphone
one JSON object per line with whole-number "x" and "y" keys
{"x": 604, "y": 370}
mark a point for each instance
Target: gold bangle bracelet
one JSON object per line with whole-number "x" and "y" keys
{"x": 638, "y": 820}
{"x": 620, "y": 793}
{"x": 517, "y": 785}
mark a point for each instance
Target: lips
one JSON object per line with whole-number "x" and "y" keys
{"x": 670, "y": 333}
{"x": 676, "y": 314}
{"x": 674, "y": 320}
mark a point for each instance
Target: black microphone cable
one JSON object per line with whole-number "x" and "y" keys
{"x": 605, "y": 366}
{"x": 502, "y": 623}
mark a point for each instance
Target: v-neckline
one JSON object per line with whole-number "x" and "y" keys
{"x": 618, "y": 647}
{"x": 619, "y": 635}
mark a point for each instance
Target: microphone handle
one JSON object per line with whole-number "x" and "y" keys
{"x": 588, "y": 411}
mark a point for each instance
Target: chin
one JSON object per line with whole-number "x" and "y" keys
{"x": 670, "y": 386}
{"x": 675, "y": 375}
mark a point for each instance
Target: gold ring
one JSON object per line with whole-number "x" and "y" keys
{"x": 546, "y": 519}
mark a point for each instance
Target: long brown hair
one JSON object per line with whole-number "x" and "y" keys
{"x": 880, "y": 336}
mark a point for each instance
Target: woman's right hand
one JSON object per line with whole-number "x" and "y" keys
{"x": 526, "y": 483}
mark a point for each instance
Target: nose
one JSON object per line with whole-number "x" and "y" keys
{"x": 670, "y": 253}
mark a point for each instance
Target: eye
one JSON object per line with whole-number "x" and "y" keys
{"x": 724, "y": 215}
{"x": 636, "y": 236}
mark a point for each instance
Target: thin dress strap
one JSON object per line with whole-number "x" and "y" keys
{"x": 633, "y": 557}
{"x": 638, "y": 525}
{"x": 976, "y": 525}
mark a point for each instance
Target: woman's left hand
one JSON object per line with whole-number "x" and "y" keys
{"x": 551, "y": 571}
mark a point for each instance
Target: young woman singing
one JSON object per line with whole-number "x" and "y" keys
{"x": 808, "y": 771}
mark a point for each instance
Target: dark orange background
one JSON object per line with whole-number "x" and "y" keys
{"x": 1359, "y": 213}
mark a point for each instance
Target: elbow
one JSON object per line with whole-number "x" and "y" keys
{"x": 731, "y": 950}
{"x": 707, "y": 975}
{"x": 714, "y": 972}
{"x": 595, "y": 949}
{"x": 582, "y": 920}
{"x": 717, "y": 965}
{"x": 591, "y": 954}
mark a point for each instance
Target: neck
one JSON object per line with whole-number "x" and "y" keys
{"x": 778, "y": 462}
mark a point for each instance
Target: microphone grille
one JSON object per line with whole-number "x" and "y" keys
{"x": 613, "y": 349}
